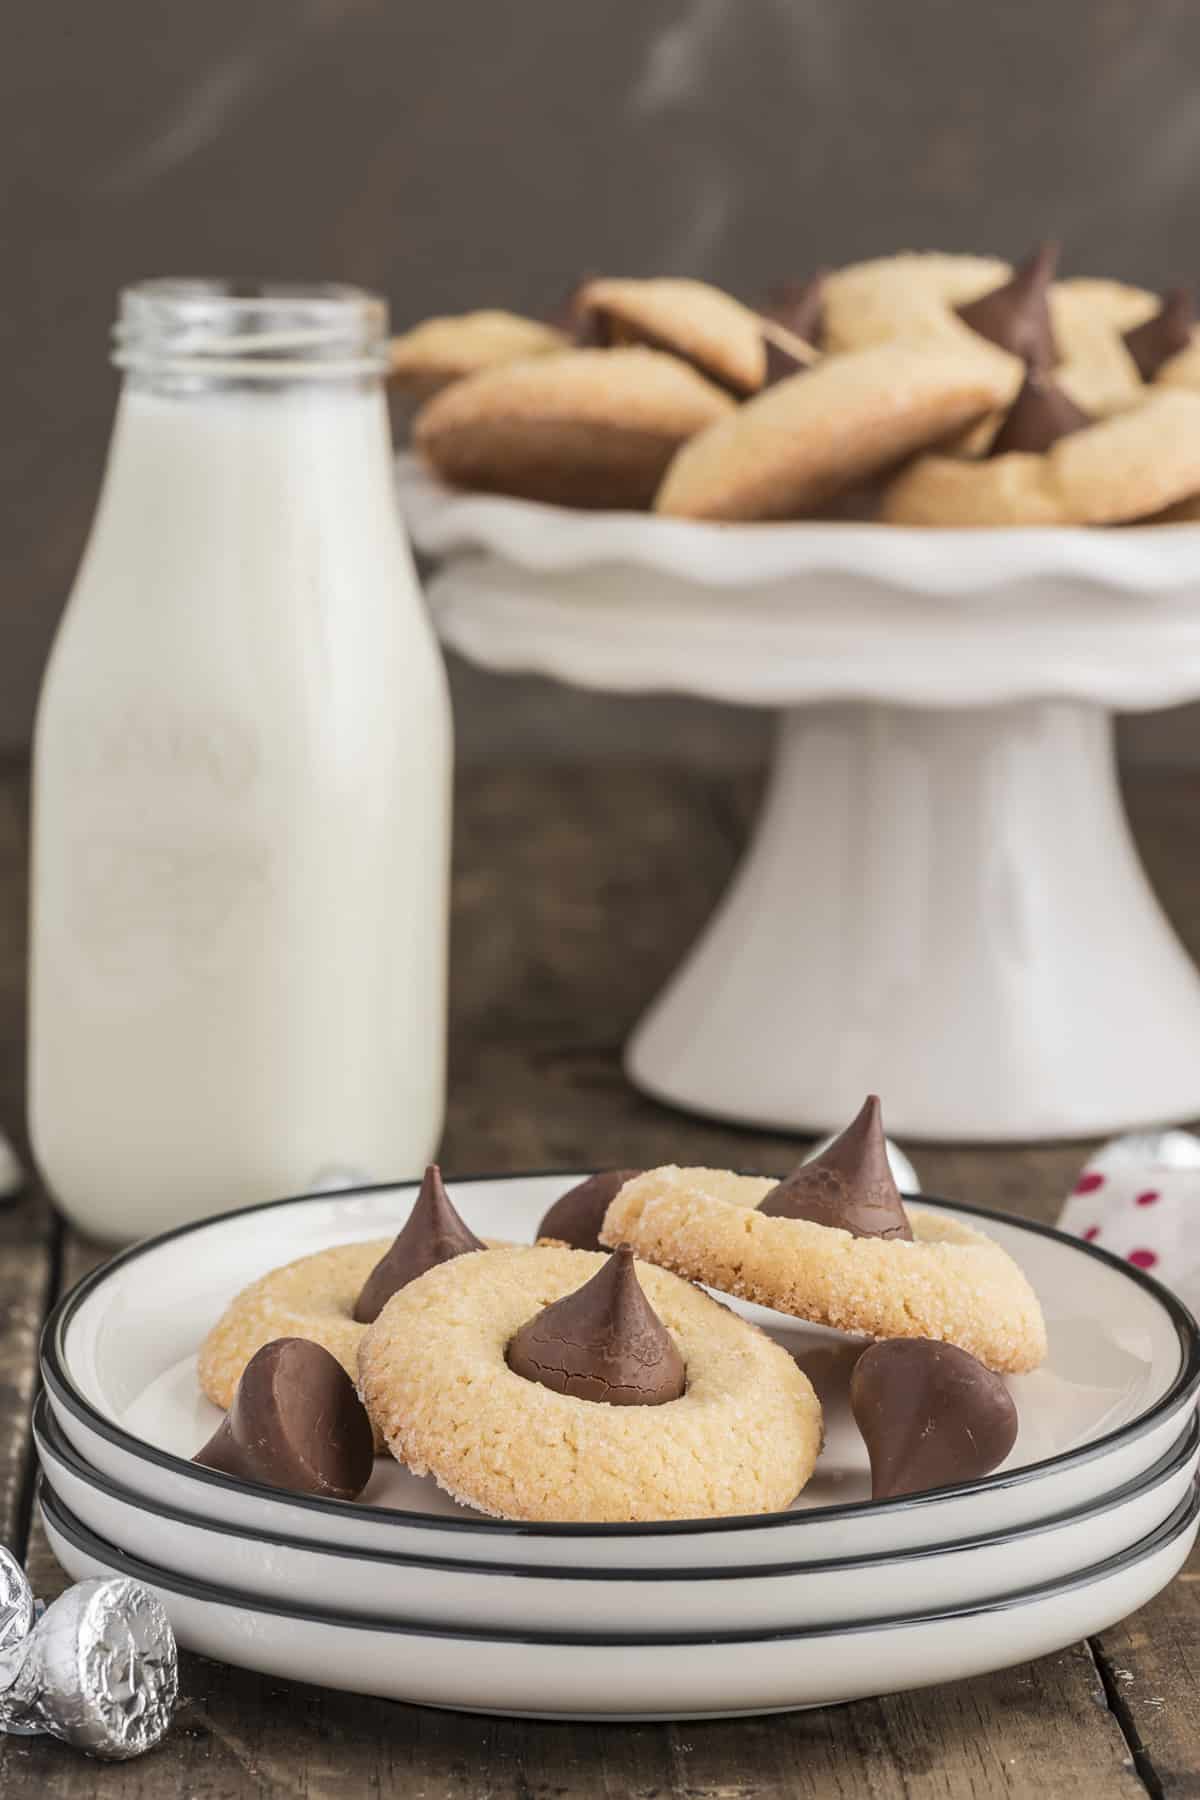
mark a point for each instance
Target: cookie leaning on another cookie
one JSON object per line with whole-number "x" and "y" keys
{"x": 593, "y": 428}
{"x": 434, "y": 1376}
{"x": 721, "y": 338}
{"x": 951, "y": 1282}
{"x": 794, "y": 447}
{"x": 1123, "y": 468}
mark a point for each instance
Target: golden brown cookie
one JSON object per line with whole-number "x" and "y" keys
{"x": 950, "y": 1283}
{"x": 789, "y": 450}
{"x": 719, "y": 336}
{"x": 1126, "y": 467}
{"x": 593, "y": 428}
{"x": 311, "y": 1298}
{"x": 914, "y": 298}
{"x": 433, "y": 1374}
{"x": 445, "y": 349}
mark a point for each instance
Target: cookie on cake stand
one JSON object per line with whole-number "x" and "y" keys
{"x": 941, "y": 899}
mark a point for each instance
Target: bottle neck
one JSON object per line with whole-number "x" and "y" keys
{"x": 196, "y": 337}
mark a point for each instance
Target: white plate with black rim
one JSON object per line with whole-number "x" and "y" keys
{"x": 499, "y": 1596}
{"x": 673, "y": 1676}
{"x": 119, "y": 1353}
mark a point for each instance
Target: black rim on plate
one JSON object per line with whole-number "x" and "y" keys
{"x": 62, "y": 1520}
{"x": 54, "y": 1372}
{"x": 52, "y": 1444}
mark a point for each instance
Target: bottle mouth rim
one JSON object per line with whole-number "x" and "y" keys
{"x": 250, "y": 330}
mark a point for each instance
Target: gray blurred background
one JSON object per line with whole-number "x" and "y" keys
{"x": 460, "y": 153}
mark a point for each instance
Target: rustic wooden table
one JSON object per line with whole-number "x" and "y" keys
{"x": 575, "y": 889}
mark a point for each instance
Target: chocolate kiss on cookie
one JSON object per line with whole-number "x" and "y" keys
{"x": 1157, "y": 339}
{"x": 1017, "y": 315}
{"x": 849, "y": 1186}
{"x": 603, "y": 1342}
{"x": 434, "y": 1234}
{"x": 297, "y": 1423}
{"x": 929, "y": 1415}
{"x": 1037, "y": 418}
{"x": 576, "y": 1216}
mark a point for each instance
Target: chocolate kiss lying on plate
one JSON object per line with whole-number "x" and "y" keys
{"x": 603, "y": 1342}
{"x": 434, "y": 1234}
{"x": 930, "y": 1415}
{"x": 849, "y": 1186}
{"x": 297, "y": 1423}
{"x": 576, "y": 1216}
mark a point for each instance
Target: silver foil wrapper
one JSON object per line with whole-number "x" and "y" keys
{"x": 903, "y": 1173}
{"x": 99, "y": 1670}
{"x": 17, "y": 1606}
{"x": 1149, "y": 1150}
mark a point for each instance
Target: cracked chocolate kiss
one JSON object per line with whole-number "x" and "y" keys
{"x": 1016, "y": 315}
{"x": 297, "y": 1423}
{"x": 849, "y": 1186}
{"x": 1156, "y": 340}
{"x": 434, "y": 1234}
{"x": 576, "y": 1216}
{"x": 603, "y": 1342}
{"x": 1037, "y": 418}
{"x": 929, "y": 1414}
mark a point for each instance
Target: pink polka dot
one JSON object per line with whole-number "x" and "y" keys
{"x": 1087, "y": 1184}
{"x": 1091, "y": 1234}
{"x": 1143, "y": 1259}
{"x": 1148, "y": 1198}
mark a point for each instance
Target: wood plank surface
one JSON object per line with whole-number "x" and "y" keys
{"x": 575, "y": 890}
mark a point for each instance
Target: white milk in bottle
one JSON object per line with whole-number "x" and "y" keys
{"x": 241, "y": 781}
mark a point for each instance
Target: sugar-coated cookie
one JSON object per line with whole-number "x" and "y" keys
{"x": 313, "y": 1297}
{"x": 442, "y": 350}
{"x": 950, "y": 1283}
{"x": 1126, "y": 467}
{"x": 435, "y": 1378}
{"x": 791, "y": 449}
{"x": 593, "y": 428}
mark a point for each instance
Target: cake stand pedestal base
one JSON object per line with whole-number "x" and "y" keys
{"x": 945, "y": 907}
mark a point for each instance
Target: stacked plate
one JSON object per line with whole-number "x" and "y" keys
{"x": 406, "y": 1595}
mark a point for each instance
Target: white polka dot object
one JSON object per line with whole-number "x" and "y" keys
{"x": 1139, "y": 1197}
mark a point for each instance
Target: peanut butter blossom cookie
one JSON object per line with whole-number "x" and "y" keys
{"x": 1050, "y": 465}
{"x": 591, "y": 428}
{"x": 835, "y": 1243}
{"x": 557, "y": 1384}
{"x": 576, "y": 1216}
{"x": 810, "y": 438}
{"x": 330, "y": 1297}
{"x": 723, "y": 340}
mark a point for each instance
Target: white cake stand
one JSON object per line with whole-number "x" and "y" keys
{"x": 942, "y": 901}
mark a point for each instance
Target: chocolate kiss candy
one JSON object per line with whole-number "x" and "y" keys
{"x": 1165, "y": 335}
{"x": 434, "y": 1234}
{"x": 796, "y": 305}
{"x": 1017, "y": 315}
{"x": 929, "y": 1415}
{"x": 603, "y": 1342}
{"x": 296, "y": 1422}
{"x": 576, "y": 1216}
{"x": 1037, "y": 418}
{"x": 849, "y": 1185}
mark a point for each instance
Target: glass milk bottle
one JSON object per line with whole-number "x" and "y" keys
{"x": 241, "y": 781}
